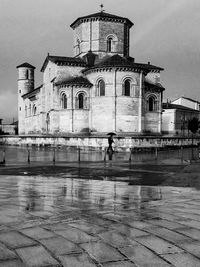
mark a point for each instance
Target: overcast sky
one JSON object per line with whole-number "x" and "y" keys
{"x": 165, "y": 32}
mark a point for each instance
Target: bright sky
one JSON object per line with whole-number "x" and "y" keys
{"x": 166, "y": 33}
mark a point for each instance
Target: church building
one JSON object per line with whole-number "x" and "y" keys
{"x": 99, "y": 89}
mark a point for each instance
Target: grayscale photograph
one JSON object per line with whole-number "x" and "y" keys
{"x": 99, "y": 133}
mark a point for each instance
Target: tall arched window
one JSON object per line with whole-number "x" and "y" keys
{"x": 63, "y": 101}
{"x": 81, "y": 101}
{"x": 127, "y": 88}
{"x": 152, "y": 104}
{"x": 101, "y": 88}
{"x": 109, "y": 44}
{"x": 34, "y": 110}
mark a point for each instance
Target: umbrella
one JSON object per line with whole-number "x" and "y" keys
{"x": 111, "y": 133}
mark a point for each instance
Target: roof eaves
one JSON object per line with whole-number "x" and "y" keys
{"x": 33, "y": 91}
{"x": 101, "y": 15}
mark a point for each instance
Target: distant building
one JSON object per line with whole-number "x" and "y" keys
{"x": 175, "y": 118}
{"x": 100, "y": 89}
{"x": 11, "y": 129}
{"x": 187, "y": 102}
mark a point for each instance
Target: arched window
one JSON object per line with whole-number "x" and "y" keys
{"x": 34, "y": 110}
{"x": 109, "y": 44}
{"x": 152, "y": 104}
{"x": 127, "y": 88}
{"x": 63, "y": 101}
{"x": 101, "y": 88}
{"x": 81, "y": 101}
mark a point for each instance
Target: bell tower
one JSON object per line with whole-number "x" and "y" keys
{"x": 25, "y": 85}
{"x": 102, "y": 34}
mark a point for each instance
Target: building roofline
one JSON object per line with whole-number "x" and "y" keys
{"x": 101, "y": 16}
{"x": 176, "y": 106}
{"x": 25, "y": 65}
{"x": 33, "y": 91}
{"x": 70, "y": 61}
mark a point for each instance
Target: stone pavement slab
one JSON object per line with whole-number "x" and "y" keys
{"x": 128, "y": 231}
{"x": 36, "y": 256}
{"x": 75, "y": 235}
{"x": 116, "y": 239}
{"x": 12, "y": 263}
{"x": 168, "y": 235}
{"x": 182, "y": 260}
{"x": 78, "y": 260}
{"x": 158, "y": 245}
{"x": 6, "y": 253}
{"x": 192, "y": 247}
{"x": 14, "y": 239}
{"x": 191, "y": 232}
{"x": 102, "y": 252}
{"x": 119, "y": 264}
{"x": 143, "y": 257}
{"x": 59, "y": 246}
{"x": 37, "y": 233}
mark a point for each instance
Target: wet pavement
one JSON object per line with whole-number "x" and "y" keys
{"x": 61, "y": 220}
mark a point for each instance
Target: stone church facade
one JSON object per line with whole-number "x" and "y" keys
{"x": 100, "y": 89}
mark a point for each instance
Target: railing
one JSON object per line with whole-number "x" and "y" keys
{"x": 18, "y": 155}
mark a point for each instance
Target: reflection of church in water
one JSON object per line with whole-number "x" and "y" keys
{"x": 50, "y": 196}
{"x": 100, "y": 89}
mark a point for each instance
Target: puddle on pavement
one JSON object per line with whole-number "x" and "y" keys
{"x": 48, "y": 196}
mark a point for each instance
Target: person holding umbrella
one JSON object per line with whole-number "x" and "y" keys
{"x": 110, "y": 142}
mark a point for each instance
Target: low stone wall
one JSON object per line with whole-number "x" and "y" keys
{"x": 98, "y": 143}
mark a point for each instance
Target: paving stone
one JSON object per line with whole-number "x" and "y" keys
{"x": 36, "y": 256}
{"x": 166, "y": 224}
{"x": 87, "y": 227}
{"x": 102, "y": 252}
{"x": 193, "y": 247}
{"x": 116, "y": 239}
{"x": 182, "y": 260}
{"x": 37, "y": 233}
{"x": 119, "y": 264}
{"x": 6, "y": 253}
{"x": 78, "y": 260}
{"x": 143, "y": 257}
{"x": 14, "y": 239}
{"x": 128, "y": 231}
{"x": 75, "y": 235}
{"x": 192, "y": 224}
{"x": 157, "y": 244}
{"x": 139, "y": 224}
{"x": 168, "y": 234}
{"x": 59, "y": 246}
{"x": 191, "y": 232}
{"x": 12, "y": 263}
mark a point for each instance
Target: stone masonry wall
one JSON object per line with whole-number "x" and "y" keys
{"x": 98, "y": 143}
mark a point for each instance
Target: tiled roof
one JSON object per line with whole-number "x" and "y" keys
{"x": 180, "y": 107}
{"x": 74, "y": 61}
{"x": 25, "y": 65}
{"x": 33, "y": 91}
{"x": 190, "y": 99}
{"x": 101, "y": 16}
{"x": 78, "y": 80}
{"x": 118, "y": 61}
{"x": 153, "y": 85}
